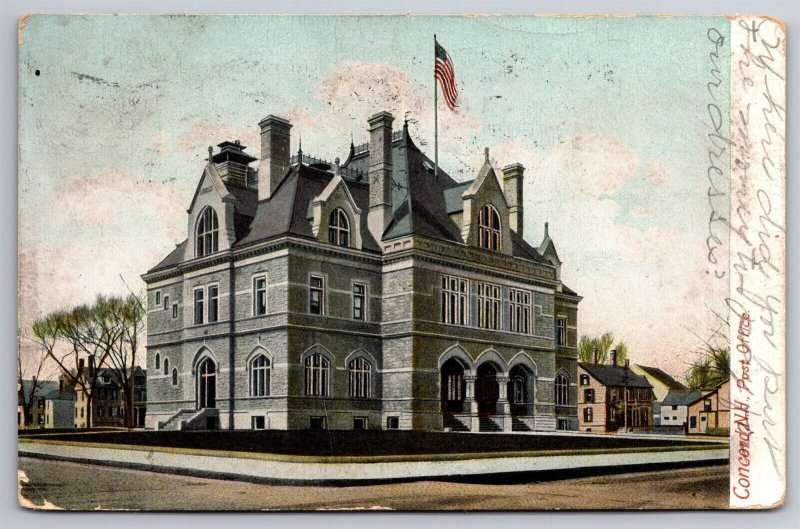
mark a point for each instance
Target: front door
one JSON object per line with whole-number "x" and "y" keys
{"x": 207, "y": 385}
{"x": 487, "y": 390}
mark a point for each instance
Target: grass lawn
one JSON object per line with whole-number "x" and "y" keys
{"x": 360, "y": 443}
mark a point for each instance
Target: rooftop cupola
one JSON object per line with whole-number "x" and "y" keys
{"x": 232, "y": 162}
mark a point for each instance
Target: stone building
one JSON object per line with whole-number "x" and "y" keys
{"x": 375, "y": 293}
{"x": 108, "y": 399}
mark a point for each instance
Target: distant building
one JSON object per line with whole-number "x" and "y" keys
{"x": 108, "y": 401}
{"x": 675, "y": 407}
{"x": 611, "y": 397}
{"x": 59, "y": 404}
{"x": 662, "y": 384}
{"x": 710, "y": 412}
{"x": 36, "y": 416}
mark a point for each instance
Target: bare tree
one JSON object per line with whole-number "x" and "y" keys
{"x": 36, "y": 366}
{"x": 711, "y": 367}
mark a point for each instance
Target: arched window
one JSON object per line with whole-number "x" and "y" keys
{"x": 207, "y": 240}
{"x": 562, "y": 390}
{"x": 489, "y": 228}
{"x": 360, "y": 376}
{"x": 174, "y": 376}
{"x": 259, "y": 376}
{"x": 317, "y": 375}
{"x": 339, "y": 228}
{"x": 166, "y": 366}
{"x": 158, "y": 360}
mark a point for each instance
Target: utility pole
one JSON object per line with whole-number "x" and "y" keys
{"x": 625, "y": 395}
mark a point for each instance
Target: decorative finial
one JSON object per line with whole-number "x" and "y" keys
{"x": 336, "y": 166}
{"x": 546, "y": 230}
{"x": 210, "y": 153}
{"x": 486, "y": 155}
{"x": 351, "y": 139}
{"x": 300, "y": 149}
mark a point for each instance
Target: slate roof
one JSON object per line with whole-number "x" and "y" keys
{"x": 680, "y": 397}
{"x": 45, "y": 387}
{"x": 662, "y": 377}
{"x": 422, "y": 203}
{"x": 615, "y": 375}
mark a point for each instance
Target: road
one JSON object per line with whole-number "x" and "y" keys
{"x": 86, "y": 487}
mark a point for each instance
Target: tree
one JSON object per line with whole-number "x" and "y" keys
{"x": 622, "y": 352}
{"x": 595, "y": 350}
{"x": 712, "y": 367}
{"x": 35, "y": 366}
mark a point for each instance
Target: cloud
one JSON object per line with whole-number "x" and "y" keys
{"x": 657, "y": 173}
{"x": 641, "y": 213}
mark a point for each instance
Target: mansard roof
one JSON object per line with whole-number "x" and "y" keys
{"x": 422, "y": 202}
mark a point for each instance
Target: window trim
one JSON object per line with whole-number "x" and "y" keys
{"x": 174, "y": 376}
{"x": 158, "y": 360}
{"x": 461, "y": 295}
{"x": 490, "y": 306}
{"x": 165, "y": 365}
{"x": 255, "y": 291}
{"x": 208, "y": 287}
{"x": 322, "y": 385}
{"x": 359, "y": 378}
{"x": 559, "y": 342}
{"x": 523, "y": 310}
{"x": 561, "y": 389}
{"x": 336, "y": 231}
{"x": 202, "y": 290}
{"x": 364, "y": 300}
{"x": 174, "y": 310}
{"x": 486, "y": 227}
{"x": 165, "y": 300}
{"x": 323, "y": 294}
{"x": 158, "y": 298}
{"x": 588, "y": 415}
{"x": 213, "y": 233}
{"x": 266, "y": 369}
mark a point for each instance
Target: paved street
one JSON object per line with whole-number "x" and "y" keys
{"x": 87, "y": 487}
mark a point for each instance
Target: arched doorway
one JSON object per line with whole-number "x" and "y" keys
{"x": 487, "y": 390}
{"x": 454, "y": 386}
{"x": 206, "y": 384}
{"x": 520, "y": 391}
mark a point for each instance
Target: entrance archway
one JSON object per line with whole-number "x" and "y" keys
{"x": 206, "y": 384}
{"x": 454, "y": 386}
{"x": 520, "y": 391}
{"x": 487, "y": 390}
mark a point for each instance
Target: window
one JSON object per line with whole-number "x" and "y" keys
{"x": 692, "y": 422}
{"x": 101, "y": 411}
{"x": 258, "y": 422}
{"x": 318, "y": 423}
{"x": 707, "y": 405}
{"x": 166, "y": 366}
{"x": 359, "y": 423}
{"x": 518, "y": 394}
{"x": 562, "y": 390}
{"x": 317, "y": 374}
{"x": 207, "y": 240}
{"x": 359, "y": 298}
{"x": 519, "y": 310}
{"x": 454, "y": 300}
{"x": 588, "y": 395}
{"x": 199, "y": 305}
{"x": 158, "y": 360}
{"x": 612, "y": 414}
{"x": 561, "y": 332}
{"x": 259, "y": 295}
{"x": 584, "y": 380}
{"x": 158, "y": 298}
{"x": 174, "y": 376}
{"x": 166, "y": 302}
{"x": 259, "y": 376}
{"x": 174, "y": 310}
{"x": 392, "y": 423}
{"x": 360, "y": 374}
{"x": 613, "y": 396}
{"x": 488, "y": 306}
{"x": 213, "y": 303}
{"x": 587, "y": 415}
{"x": 339, "y": 228}
{"x": 489, "y": 228}
{"x": 316, "y": 295}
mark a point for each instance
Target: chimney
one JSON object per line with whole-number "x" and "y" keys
{"x": 613, "y": 358}
{"x": 275, "y": 136}
{"x": 512, "y": 188}
{"x": 380, "y": 173}
{"x": 80, "y": 366}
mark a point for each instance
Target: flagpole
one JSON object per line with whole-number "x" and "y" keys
{"x": 435, "y": 117}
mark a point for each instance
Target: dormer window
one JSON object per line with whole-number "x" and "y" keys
{"x": 339, "y": 228}
{"x": 207, "y": 240}
{"x": 489, "y": 228}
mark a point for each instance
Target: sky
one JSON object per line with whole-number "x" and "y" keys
{"x": 608, "y": 115}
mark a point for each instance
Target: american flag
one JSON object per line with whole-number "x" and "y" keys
{"x": 443, "y": 71}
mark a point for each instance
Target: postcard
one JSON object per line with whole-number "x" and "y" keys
{"x": 401, "y": 262}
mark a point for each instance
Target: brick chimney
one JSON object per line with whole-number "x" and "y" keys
{"x": 613, "y": 358}
{"x": 380, "y": 173}
{"x": 275, "y": 138}
{"x": 512, "y": 188}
